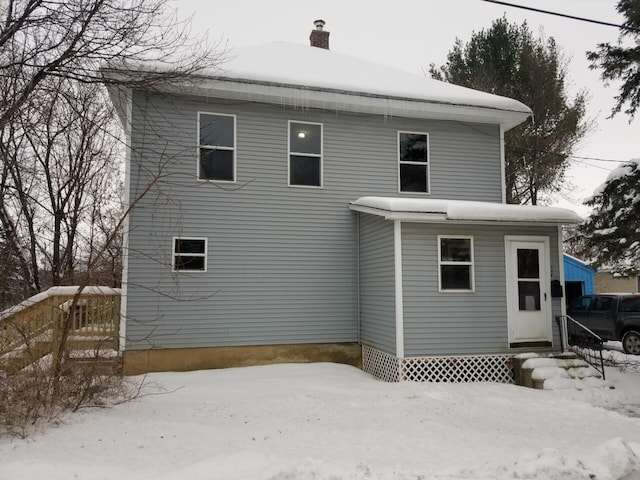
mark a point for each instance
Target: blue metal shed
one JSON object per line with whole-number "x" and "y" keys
{"x": 578, "y": 277}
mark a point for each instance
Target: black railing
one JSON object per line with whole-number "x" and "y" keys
{"x": 582, "y": 341}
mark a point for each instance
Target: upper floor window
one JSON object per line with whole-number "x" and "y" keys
{"x": 305, "y": 154}
{"x": 455, "y": 262}
{"x": 216, "y": 147}
{"x": 189, "y": 254}
{"x": 413, "y": 162}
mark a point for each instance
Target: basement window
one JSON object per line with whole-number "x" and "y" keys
{"x": 455, "y": 263}
{"x": 189, "y": 254}
{"x": 413, "y": 162}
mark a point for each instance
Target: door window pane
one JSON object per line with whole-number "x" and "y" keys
{"x": 528, "y": 263}
{"x": 528, "y": 295}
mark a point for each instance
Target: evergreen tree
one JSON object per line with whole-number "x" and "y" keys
{"x": 611, "y": 234}
{"x": 622, "y": 63}
{"x": 507, "y": 60}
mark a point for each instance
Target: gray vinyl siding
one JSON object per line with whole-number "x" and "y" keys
{"x": 439, "y": 323}
{"x": 377, "y": 284}
{"x": 282, "y": 261}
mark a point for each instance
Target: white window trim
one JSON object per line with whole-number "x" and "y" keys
{"x": 314, "y": 155}
{"x": 234, "y": 149}
{"x": 428, "y": 164}
{"x": 174, "y": 254}
{"x": 472, "y": 270}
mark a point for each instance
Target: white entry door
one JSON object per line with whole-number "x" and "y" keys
{"x": 528, "y": 285}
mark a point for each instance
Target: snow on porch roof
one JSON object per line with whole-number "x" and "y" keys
{"x": 432, "y": 210}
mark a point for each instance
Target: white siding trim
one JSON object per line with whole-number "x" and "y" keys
{"x": 122, "y": 332}
{"x": 563, "y": 304}
{"x": 503, "y": 164}
{"x": 397, "y": 254}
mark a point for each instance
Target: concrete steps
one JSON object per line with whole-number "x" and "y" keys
{"x": 555, "y": 372}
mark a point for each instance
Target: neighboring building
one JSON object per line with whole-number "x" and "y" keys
{"x": 306, "y": 205}
{"x": 608, "y": 282}
{"x": 578, "y": 278}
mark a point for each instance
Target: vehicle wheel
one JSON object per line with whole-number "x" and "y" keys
{"x": 631, "y": 343}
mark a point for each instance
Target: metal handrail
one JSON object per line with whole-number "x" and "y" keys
{"x": 584, "y": 341}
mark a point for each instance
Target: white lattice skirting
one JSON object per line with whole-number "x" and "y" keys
{"x": 467, "y": 368}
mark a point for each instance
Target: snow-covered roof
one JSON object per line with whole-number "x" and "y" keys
{"x": 576, "y": 259}
{"x": 433, "y": 210}
{"x": 304, "y": 76}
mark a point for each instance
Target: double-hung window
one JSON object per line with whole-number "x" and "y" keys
{"x": 216, "y": 147}
{"x": 305, "y": 154}
{"x": 189, "y": 254}
{"x": 455, "y": 263}
{"x": 413, "y": 162}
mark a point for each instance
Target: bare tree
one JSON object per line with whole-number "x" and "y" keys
{"x": 58, "y": 157}
{"x": 59, "y": 161}
{"x": 40, "y": 39}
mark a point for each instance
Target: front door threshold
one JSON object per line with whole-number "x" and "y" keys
{"x": 530, "y": 345}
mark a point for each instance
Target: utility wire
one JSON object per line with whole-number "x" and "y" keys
{"x": 595, "y": 159}
{"x": 564, "y": 15}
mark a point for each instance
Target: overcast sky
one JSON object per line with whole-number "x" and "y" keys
{"x": 411, "y": 34}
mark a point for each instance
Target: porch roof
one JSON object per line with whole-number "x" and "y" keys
{"x": 438, "y": 210}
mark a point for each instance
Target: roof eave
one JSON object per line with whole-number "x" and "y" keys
{"x": 327, "y": 99}
{"x": 357, "y": 102}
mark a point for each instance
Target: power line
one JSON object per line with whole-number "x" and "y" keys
{"x": 564, "y": 15}
{"x": 583, "y": 162}
{"x": 595, "y": 159}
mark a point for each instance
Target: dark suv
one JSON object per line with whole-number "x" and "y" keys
{"x": 611, "y": 316}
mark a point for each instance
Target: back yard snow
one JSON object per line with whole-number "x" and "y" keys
{"x": 329, "y": 421}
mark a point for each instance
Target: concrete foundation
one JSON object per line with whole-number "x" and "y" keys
{"x": 185, "y": 359}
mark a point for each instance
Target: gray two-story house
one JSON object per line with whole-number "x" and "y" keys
{"x": 303, "y": 205}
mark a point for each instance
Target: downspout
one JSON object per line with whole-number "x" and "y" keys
{"x": 397, "y": 250}
{"x": 503, "y": 166}
{"x": 359, "y": 320}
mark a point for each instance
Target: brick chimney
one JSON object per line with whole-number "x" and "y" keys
{"x": 319, "y": 38}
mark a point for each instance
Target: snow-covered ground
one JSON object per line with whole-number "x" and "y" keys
{"x": 328, "y": 421}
